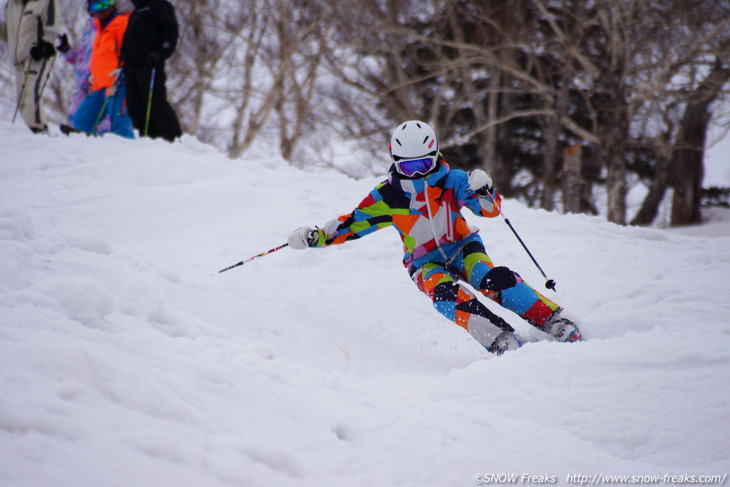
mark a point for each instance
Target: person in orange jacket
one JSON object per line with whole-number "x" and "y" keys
{"x": 107, "y": 95}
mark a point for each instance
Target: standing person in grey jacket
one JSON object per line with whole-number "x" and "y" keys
{"x": 32, "y": 31}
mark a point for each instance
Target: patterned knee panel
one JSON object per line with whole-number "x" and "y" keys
{"x": 460, "y": 305}
{"x": 499, "y": 284}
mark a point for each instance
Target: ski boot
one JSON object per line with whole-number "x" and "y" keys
{"x": 505, "y": 341}
{"x": 68, "y": 130}
{"x": 562, "y": 329}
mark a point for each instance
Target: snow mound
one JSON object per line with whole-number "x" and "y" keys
{"x": 127, "y": 360}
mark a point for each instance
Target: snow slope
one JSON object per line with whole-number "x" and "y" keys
{"x": 127, "y": 360}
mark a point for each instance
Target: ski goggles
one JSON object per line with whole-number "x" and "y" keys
{"x": 101, "y": 5}
{"x": 419, "y": 166}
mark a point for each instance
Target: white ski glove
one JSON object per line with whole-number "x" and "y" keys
{"x": 480, "y": 182}
{"x": 302, "y": 238}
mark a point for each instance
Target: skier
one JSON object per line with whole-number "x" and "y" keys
{"x": 32, "y": 31}
{"x": 107, "y": 95}
{"x": 150, "y": 40}
{"x": 422, "y": 198}
{"x": 80, "y": 58}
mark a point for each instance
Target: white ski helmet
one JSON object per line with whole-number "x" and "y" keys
{"x": 413, "y": 139}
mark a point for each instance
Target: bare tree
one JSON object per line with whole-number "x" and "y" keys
{"x": 507, "y": 85}
{"x": 688, "y": 169}
{"x": 594, "y": 73}
{"x": 566, "y": 26}
{"x": 691, "y": 69}
{"x": 206, "y": 35}
{"x": 302, "y": 42}
{"x": 248, "y": 67}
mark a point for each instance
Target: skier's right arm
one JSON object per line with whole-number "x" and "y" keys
{"x": 371, "y": 215}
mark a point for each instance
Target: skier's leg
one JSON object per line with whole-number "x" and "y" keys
{"x": 459, "y": 305}
{"x": 117, "y": 110}
{"x": 163, "y": 119}
{"x": 503, "y": 285}
{"x": 31, "y": 77}
{"x": 21, "y": 84}
{"x": 136, "y": 86}
{"x": 89, "y": 111}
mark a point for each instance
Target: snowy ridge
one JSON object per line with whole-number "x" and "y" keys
{"x": 127, "y": 360}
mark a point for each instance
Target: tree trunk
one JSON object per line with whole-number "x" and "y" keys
{"x": 614, "y": 153}
{"x": 688, "y": 167}
{"x": 572, "y": 180}
{"x": 614, "y": 136}
{"x": 493, "y": 162}
{"x": 547, "y": 201}
{"x": 551, "y": 146}
{"x": 689, "y": 148}
{"x": 650, "y": 207}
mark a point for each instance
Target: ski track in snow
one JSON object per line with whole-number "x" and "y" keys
{"x": 127, "y": 360}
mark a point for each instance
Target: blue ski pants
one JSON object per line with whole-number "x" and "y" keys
{"x": 97, "y": 105}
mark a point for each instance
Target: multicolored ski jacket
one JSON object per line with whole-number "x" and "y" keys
{"x": 425, "y": 211}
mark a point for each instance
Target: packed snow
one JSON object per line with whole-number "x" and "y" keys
{"x": 126, "y": 359}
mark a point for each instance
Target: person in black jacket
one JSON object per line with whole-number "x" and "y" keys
{"x": 150, "y": 40}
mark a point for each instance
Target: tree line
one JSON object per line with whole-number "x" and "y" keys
{"x": 525, "y": 86}
{"x": 561, "y": 101}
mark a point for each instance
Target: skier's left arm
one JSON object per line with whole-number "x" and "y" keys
{"x": 41, "y": 18}
{"x": 480, "y": 195}
{"x": 169, "y": 30}
{"x": 52, "y": 29}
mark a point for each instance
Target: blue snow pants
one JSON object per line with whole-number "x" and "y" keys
{"x": 97, "y": 105}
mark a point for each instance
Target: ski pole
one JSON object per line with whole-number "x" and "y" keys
{"x": 112, "y": 93}
{"x": 550, "y": 284}
{"x": 149, "y": 101}
{"x": 254, "y": 257}
{"x": 37, "y": 96}
{"x": 98, "y": 118}
{"x": 48, "y": 76}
